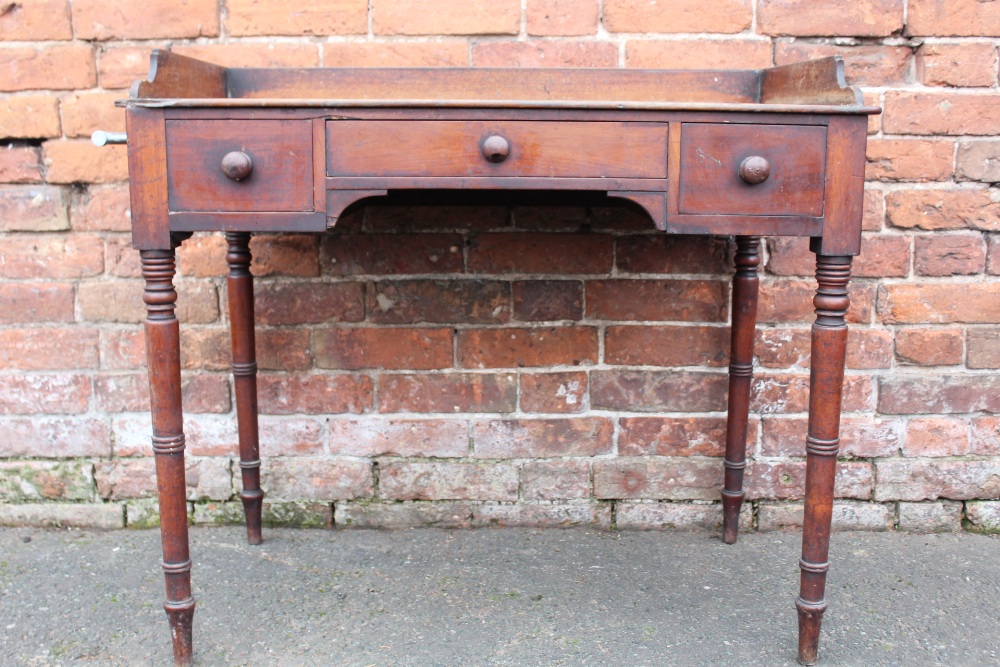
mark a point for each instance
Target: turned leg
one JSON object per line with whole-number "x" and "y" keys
{"x": 826, "y": 381}
{"x": 163, "y": 355}
{"x": 745, "y": 284}
{"x": 241, "y": 322}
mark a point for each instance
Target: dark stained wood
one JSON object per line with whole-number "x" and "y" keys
{"x": 745, "y": 285}
{"x": 813, "y": 82}
{"x": 845, "y": 168}
{"x": 163, "y": 353}
{"x": 147, "y": 160}
{"x": 281, "y": 152}
{"x": 241, "y": 323}
{"x": 711, "y": 155}
{"x": 826, "y": 383}
{"x": 171, "y": 75}
{"x": 455, "y": 148}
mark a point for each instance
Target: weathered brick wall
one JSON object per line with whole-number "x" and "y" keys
{"x": 503, "y": 364}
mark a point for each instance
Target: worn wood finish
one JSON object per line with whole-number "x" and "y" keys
{"x": 172, "y": 75}
{"x": 239, "y": 284}
{"x": 813, "y": 82}
{"x": 745, "y": 287}
{"x": 826, "y": 381}
{"x": 163, "y": 352}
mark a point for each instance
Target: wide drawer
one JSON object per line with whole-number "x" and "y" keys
{"x": 711, "y": 159}
{"x": 496, "y": 149}
{"x": 280, "y": 177}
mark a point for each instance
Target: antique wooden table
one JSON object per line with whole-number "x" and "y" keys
{"x": 774, "y": 152}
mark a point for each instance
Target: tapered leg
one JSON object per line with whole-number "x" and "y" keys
{"x": 163, "y": 355}
{"x": 745, "y": 284}
{"x": 829, "y": 340}
{"x": 241, "y": 321}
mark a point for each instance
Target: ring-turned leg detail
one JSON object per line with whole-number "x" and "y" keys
{"x": 241, "y": 317}
{"x": 826, "y": 382}
{"x": 163, "y": 355}
{"x": 745, "y": 288}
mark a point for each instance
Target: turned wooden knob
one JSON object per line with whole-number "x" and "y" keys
{"x": 237, "y": 165}
{"x": 496, "y": 148}
{"x": 755, "y": 169}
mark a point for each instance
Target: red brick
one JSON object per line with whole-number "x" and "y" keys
{"x": 562, "y": 17}
{"x": 30, "y": 116}
{"x": 942, "y": 394}
{"x": 552, "y": 218}
{"x": 459, "y": 301}
{"x": 698, "y": 53}
{"x": 927, "y": 479}
{"x": 121, "y": 301}
{"x": 535, "y": 252}
{"x": 986, "y": 436}
{"x": 439, "y": 17}
{"x": 658, "y": 253}
{"x": 45, "y": 480}
{"x": 668, "y": 16}
{"x": 882, "y": 255}
{"x": 969, "y": 64}
{"x": 674, "y": 436}
{"x": 37, "y": 21}
{"x": 130, "y": 393}
{"x": 101, "y": 208}
{"x": 136, "y": 478}
{"x": 862, "y": 437}
{"x": 33, "y": 208}
{"x": 545, "y": 54}
{"x": 543, "y": 438}
{"x": 264, "y": 54}
{"x": 555, "y": 480}
{"x": 299, "y": 478}
{"x": 949, "y": 254}
{"x": 404, "y": 437}
{"x": 553, "y": 392}
{"x": 874, "y": 98}
{"x": 939, "y": 303}
{"x": 909, "y": 159}
{"x": 571, "y": 515}
{"x": 284, "y": 349}
{"x": 658, "y": 391}
{"x": 782, "y": 348}
{"x": 361, "y": 254}
{"x": 666, "y": 346}
{"x": 676, "y": 516}
{"x": 548, "y": 300}
{"x": 869, "y": 348}
{"x": 978, "y": 160}
{"x": 953, "y": 17}
{"x": 864, "y": 65}
{"x": 278, "y": 304}
{"x": 22, "y": 303}
{"x": 620, "y": 216}
{"x": 20, "y": 164}
{"x": 82, "y": 113}
{"x": 40, "y": 393}
{"x": 216, "y": 435}
{"x": 657, "y": 300}
{"x": 933, "y": 210}
{"x": 153, "y": 19}
{"x": 936, "y": 436}
{"x": 120, "y": 66}
{"x": 983, "y": 348}
{"x": 786, "y": 393}
{"x": 450, "y": 392}
{"x": 786, "y": 480}
{"x": 203, "y": 256}
{"x": 121, "y": 259}
{"x": 439, "y": 53}
{"x": 48, "y": 348}
{"x": 417, "y": 217}
{"x": 448, "y": 481}
{"x": 670, "y": 478}
{"x": 944, "y": 112}
{"x": 416, "y": 349}
{"x": 993, "y": 255}
{"x": 52, "y": 67}
{"x": 861, "y": 18}
{"x": 520, "y": 347}
{"x": 314, "y": 394}
{"x": 285, "y": 255}
{"x": 929, "y": 347}
{"x": 122, "y": 349}
{"x": 51, "y": 256}
{"x": 55, "y": 437}
{"x": 206, "y": 349}
{"x": 874, "y": 211}
{"x": 80, "y": 161}
{"x": 792, "y": 301}
{"x": 404, "y": 515}
{"x": 340, "y": 17}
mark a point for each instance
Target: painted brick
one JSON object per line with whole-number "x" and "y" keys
{"x": 45, "y": 480}
{"x": 562, "y": 17}
{"x": 983, "y": 348}
{"x": 524, "y": 438}
{"x": 910, "y": 159}
{"x": 447, "y": 481}
{"x": 847, "y": 515}
{"x": 675, "y": 436}
{"x": 314, "y": 394}
{"x": 52, "y": 67}
{"x": 676, "y": 516}
{"x": 438, "y": 17}
{"x": 24, "y": 303}
{"x": 943, "y": 394}
{"x": 284, "y": 514}
{"x": 666, "y": 346}
{"x": 555, "y": 480}
{"x": 672, "y": 478}
{"x": 658, "y": 391}
{"x": 969, "y": 64}
{"x": 416, "y": 349}
{"x": 668, "y": 16}
{"x": 520, "y": 347}
{"x": 450, "y": 392}
{"x": 63, "y": 515}
{"x": 540, "y": 253}
{"x": 121, "y": 479}
{"x": 55, "y": 437}
{"x": 949, "y": 254}
{"x": 929, "y": 347}
{"x": 547, "y": 300}
{"x": 657, "y": 253}
{"x": 936, "y": 436}
{"x": 554, "y": 392}
{"x": 786, "y": 480}
{"x": 953, "y": 17}
{"x": 983, "y": 516}
{"x": 48, "y": 348}
{"x": 698, "y": 54}
{"x": 404, "y": 515}
{"x": 545, "y": 54}
{"x": 361, "y": 254}
{"x": 862, "y": 437}
{"x": 917, "y": 112}
{"x": 403, "y": 437}
{"x": 333, "y": 17}
{"x": 40, "y": 393}
{"x": 863, "y": 18}
{"x": 657, "y": 300}
{"x": 978, "y": 160}
{"x": 30, "y": 116}
{"x": 300, "y": 478}
{"x": 439, "y": 301}
{"x": 939, "y": 303}
{"x": 864, "y": 65}
{"x": 278, "y": 304}
{"x": 148, "y": 20}
{"x": 929, "y": 479}
{"x": 593, "y": 515}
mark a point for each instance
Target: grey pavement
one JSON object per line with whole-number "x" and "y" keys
{"x": 430, "y": 597}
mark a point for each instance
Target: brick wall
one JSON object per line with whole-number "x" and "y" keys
{"x": 493, "y": 364}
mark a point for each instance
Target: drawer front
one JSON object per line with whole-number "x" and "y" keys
{"x": 460, "y": 149}
{"x": 711, "y": 159}
{"x": 281, "y": 166}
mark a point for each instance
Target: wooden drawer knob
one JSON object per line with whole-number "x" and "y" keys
{"x": 755, "y": 169}
{"x": 237, "y": 165}
{"x": 496, "y": 148}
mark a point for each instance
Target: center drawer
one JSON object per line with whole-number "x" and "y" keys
{"x": 496, "y": 149}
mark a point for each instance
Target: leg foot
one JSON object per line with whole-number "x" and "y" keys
{"x": 810, "y": 619}
{"x": 181, "y": 617}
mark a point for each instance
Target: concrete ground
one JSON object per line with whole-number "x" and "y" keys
{"x": 515, "y": 597}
